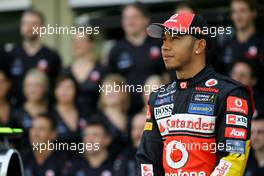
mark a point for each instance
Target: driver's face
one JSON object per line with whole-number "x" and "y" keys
{"x": 177, "y": 50}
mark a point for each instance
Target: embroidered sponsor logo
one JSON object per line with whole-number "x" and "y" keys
{"x": 183, "y": 85}
{"x": 222, "y": 168}
{"x": 148, "y": 112}
{"x": 235, "y": 104}
{"x": 163, "y": 111}
{"x": 238, "y": 120}
{"x": 211, "y": 82}
{"x": 187, "y": 122}
{"x": 203, "y": 98}
{"x": 207, "y": 89}
{"x": 238, "y": 133}
{"x": 148, "y": 126}
{"x": 164, "y": 100}
{"x": 236, "y": 146}
{"x": 206, "y": 109}
{"x": 147, "y": 170}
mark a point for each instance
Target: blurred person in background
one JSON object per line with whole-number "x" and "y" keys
{"x": 244, "y": 72}
{"x": 31, "y": 53}
{"x": 5, "y": 107}
{"x": 87, "y": 72}
{"x": 125, "y": 164}
{"x": 183, "y": 7}
{"x": 35, "y": 87}
{"x": 65, "y": 111}
{"x": 47, "y": 161}
{"x": 255, "y": 165}
{"x": 152, "y": 83}
{"x": 247, "y": 42}
{"x": 95, "y": 161}
{"x": 113, "y": 107}
{"x": 136, "y": 56}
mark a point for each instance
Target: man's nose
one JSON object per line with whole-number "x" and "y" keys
{"x": 165, "y": 46}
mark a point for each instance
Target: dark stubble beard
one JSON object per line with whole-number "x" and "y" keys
{"x": 171, "y": 68}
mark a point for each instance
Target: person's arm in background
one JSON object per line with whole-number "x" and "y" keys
{"x": 149, "y": 154}
{"x": 234, "y": 133}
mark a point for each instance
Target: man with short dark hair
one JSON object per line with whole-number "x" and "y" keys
{"x": 244, "y": 72}
{"x": 247, "y": 42}
{"x": 200, "y": 108}
{"x": 95, "y": 160}
{"x": 137, "y": 56}
{"x": 32, "y": 53}
{"x": 39, "y": 159}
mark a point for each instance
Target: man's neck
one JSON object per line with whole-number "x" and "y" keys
{"x": 65, "y": 107}
{"x": 260, "y": 157}
{"x": 244, "y": 35}
{"x": 87, "y": 59}
{"x": 97, "y": 159}
{"x": 190, "y": 71}
{"x": 42, "y": 156}
{"x": 137, "y": 39}
{"x": 32, "y": 46}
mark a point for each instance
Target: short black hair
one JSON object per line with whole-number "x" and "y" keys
{"x": 250, "y": 3}
{"x": 96, "y": 120}
{"x": 140, "y": 7}
{"x": 48, "y": 116}
{"x": 186, "y": 4}
{"x": 37, "y": 13}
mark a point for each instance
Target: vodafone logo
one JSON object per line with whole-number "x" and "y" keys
{"x": 238, "y": 133}
{"x": 147, "y": 170}
{"x": 238, "y": 102}
{"x": 176, "y": 154}
{"x": 211, "y": 82}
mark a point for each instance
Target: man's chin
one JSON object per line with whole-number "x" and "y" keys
{"x": 31, "y": 38}
{"x": 171, "y": 68}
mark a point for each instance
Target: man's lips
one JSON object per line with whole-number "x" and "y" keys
{"x": 167, "y": 57}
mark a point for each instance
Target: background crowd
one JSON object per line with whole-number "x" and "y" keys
{"x": 64, "y": 105}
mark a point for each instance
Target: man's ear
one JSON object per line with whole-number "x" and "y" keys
{"x": 200, "y": 46}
